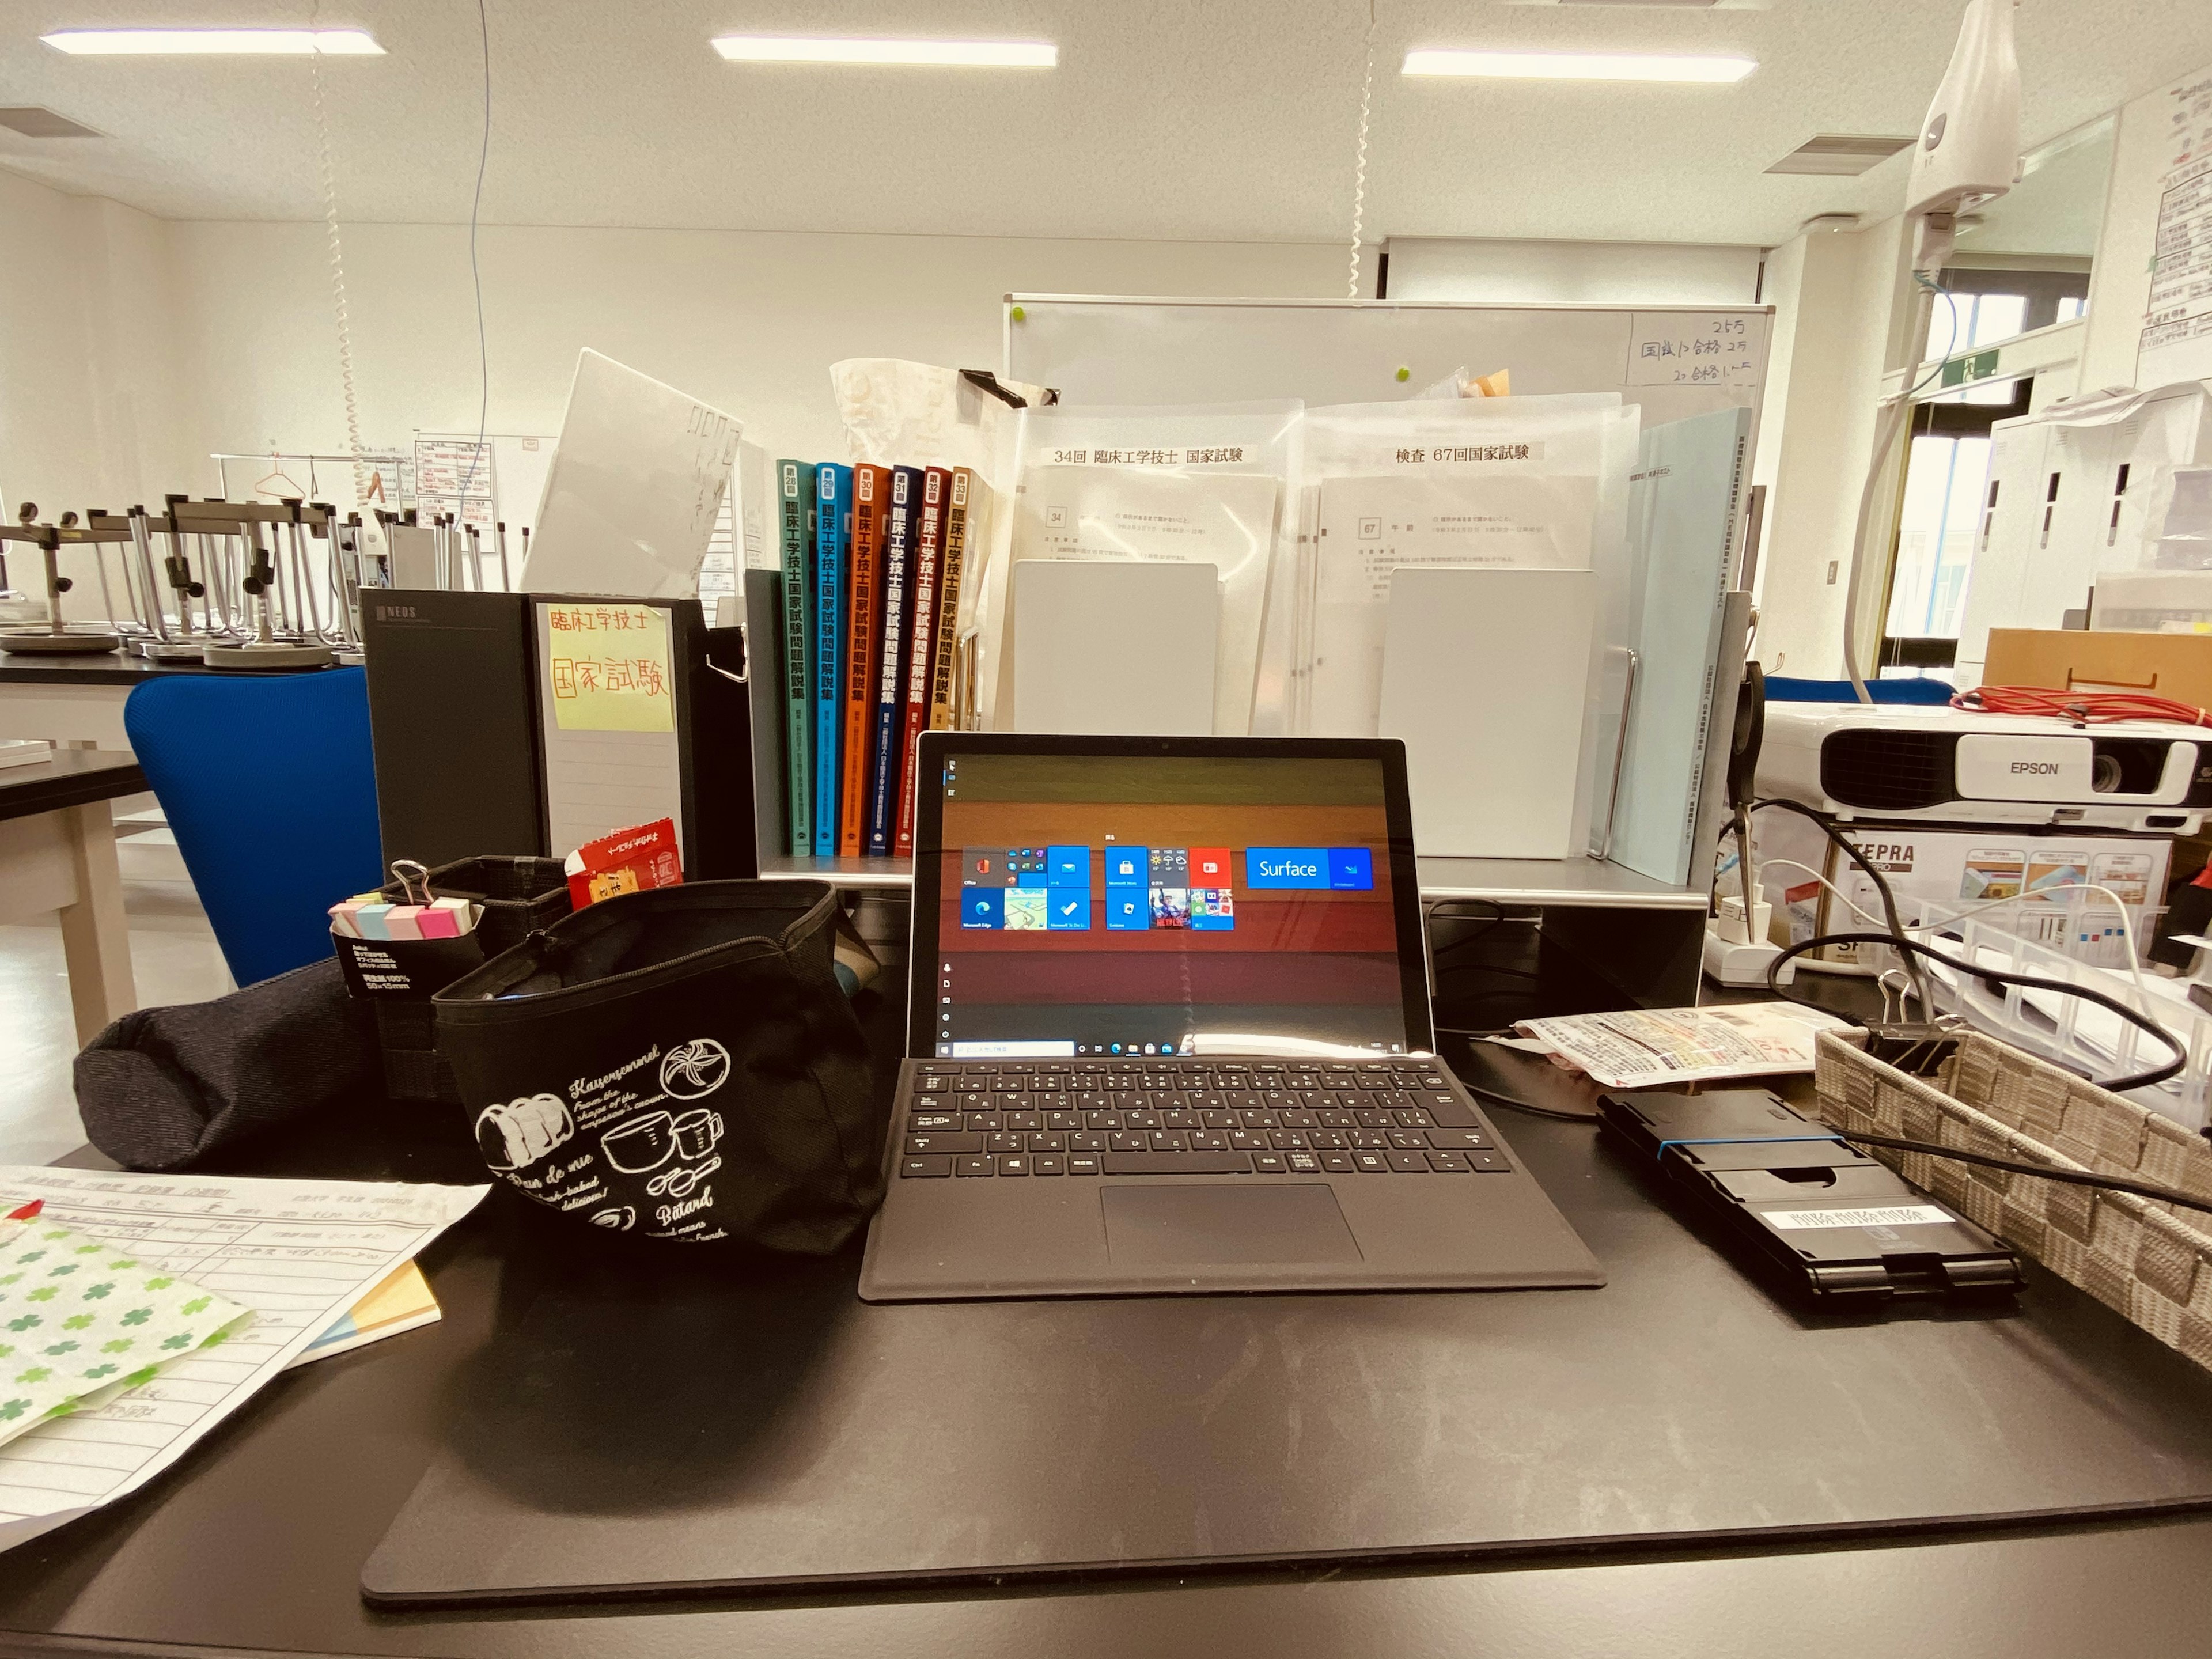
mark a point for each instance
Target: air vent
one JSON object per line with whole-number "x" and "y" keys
{"x": 1841, "y": 155}
{"x": 32, "y": 122}
{"x": 1878, "y": 771}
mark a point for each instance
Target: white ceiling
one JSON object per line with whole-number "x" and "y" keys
{"x": 1228, "y": 119}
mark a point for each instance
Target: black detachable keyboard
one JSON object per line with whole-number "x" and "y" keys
{"x": 1176, "y": 1116}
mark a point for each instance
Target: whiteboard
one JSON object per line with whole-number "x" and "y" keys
{"x": 1102, "y": 349}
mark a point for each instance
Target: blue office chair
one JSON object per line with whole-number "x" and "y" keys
{"x": 269, "y": 785}
{"x": 1780, "y": 689}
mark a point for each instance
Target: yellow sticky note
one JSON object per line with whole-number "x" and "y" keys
{"x": 611, "y": 667}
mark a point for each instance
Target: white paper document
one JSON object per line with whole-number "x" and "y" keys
{"x": 1367, "y": 527}
{"x": 1645, "y": 1048}
{"x": 299, "y": 1254}
{"x": 1226, "y": 520}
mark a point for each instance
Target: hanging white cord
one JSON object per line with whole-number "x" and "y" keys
{"x": 337, "y": 280}
{"x": 1360, "y": 172}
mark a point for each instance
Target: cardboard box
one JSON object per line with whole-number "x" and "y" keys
{"x": 1957, "y": 869}
{"x": 2177, "y": 665}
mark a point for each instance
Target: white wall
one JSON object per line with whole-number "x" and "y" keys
{"x": 1507, "y": 271}
{"x": 88, "y": 416}
{"x": 747, "y": 321}
{"x": 1831, "y": 293}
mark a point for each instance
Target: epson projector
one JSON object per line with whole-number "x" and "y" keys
{"x": 1951, "y": 766}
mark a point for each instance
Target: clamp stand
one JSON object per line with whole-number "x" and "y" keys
{"x": 264, "y": 651}
{"x": 56, "y": 638}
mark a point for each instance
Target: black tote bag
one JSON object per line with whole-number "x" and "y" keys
{"x": 678, "y": 1064}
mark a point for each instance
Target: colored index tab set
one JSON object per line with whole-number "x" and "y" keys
{"x": 1182, "y": 889}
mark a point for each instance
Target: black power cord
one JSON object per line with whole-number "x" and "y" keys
{"x": 2040, "y": 1171}
{"x": 1913, "y": 947}
{"x": 1842, "y": 842}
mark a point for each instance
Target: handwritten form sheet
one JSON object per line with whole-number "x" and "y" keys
{"x": 299, "y": 1254}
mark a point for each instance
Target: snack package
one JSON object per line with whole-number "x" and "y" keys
{"x": 627, "y": 861}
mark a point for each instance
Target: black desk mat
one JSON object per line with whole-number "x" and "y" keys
{"x": 658, "y": 1423}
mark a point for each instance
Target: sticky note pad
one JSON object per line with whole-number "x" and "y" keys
{"x": 370, "y": 920}
{"x": 403, "y": 922}
{"x": 437, "y": 922}
{"x": 343, "y": 918}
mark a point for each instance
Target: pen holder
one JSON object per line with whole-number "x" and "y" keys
{"x": 398, "y": 977}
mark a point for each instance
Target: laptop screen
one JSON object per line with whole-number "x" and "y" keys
{"x": 1122, "y": 903}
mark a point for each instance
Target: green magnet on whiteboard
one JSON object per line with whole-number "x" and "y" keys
{"x": 1018, "y": 314}
{"x": 1404, "y": 373}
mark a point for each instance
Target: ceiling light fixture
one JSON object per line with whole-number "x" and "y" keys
{"x": 1577, "y": 66}
{"x": 933, "y": 54}
{"x": 169, "y": 42}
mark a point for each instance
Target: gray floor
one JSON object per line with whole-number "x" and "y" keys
{"x": 174, "y": 957}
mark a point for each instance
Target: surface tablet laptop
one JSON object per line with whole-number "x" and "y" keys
{"x": 1169, "y": 1034}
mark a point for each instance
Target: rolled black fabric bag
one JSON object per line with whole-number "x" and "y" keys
{"x": 678, "y": 1064}
{"x": 163, "y": 1087}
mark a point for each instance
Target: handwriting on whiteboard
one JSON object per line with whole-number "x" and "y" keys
{"x": 1688, "y": 348}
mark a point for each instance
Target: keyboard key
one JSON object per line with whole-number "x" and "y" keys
{"x": 974, "y": 1166}
{"x": 1016, "y": 1164}
{"x": 1369, "y": 1139}
{"x": 1336, "y": 1119}
{"x": 1370, "y": 1081}
{"x": 923, "y": 1121}
{"x": 1372, "y": 1162}
{"x": 1087, "y": 1140}
{"x": 1178, "y": 1163}
{"x": 1170, "y": 1141}
{"x": 1221, "y": 1120}
{"x": 984, "y": 1123}
{"x": 1005, "y": 1141}
{"x": 1129, "y": 1140}
{"x": 1208, "y": 1140}
{"x": 1248, "y": 1140}
{"x": 1412, "y": 1117}
{"x": 1083, "y": 1164}
{"x": 1489, "y": 1162}
{"x": 973, "y": 1085}
{"x": 1409, "y": 1140}
{"x": 1333, "y": 1140}
{"x": 934, "y": 1086}
{"x": 1450, "y": 1162}
{"x": 923, "y": 1145}
{"x": 1457, "y": 1140}
{"x": 1102, "y": 1120}
{"x": 1140, "y": 1120}
{"x": 1063, "y": 1120}
{"x": 1024, "y": 1121}
{"x": 1297, "y": 1118}
{"x": 1052, "y": 1163}
{"x": 1376, "y": 1120}
{"x": 1337, "y": 1162}
{"x": 1286, "y": 1140}
{"x": 981, "y": 1068}
{"x": 1268, "y": 1163}
{"x": 1180, "y": 1120}
{"x": 1047, "y": 1141}
{"x": 924, "y": 1166}
{"x": 1302, "y": 1162}
{"x": 1404, "y": 1162}
{"x": 1255, "y": 1118}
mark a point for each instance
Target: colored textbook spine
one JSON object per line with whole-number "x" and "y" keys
{"x": 864, "y": 603}
{"x": 795, "y": 522}
{"x": 959, "y": 517}
{"x": 921, "y": 652}
{"x": 891, "y": 706}
{"x": 833, "y": 497}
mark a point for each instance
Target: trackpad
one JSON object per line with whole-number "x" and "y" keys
{"x": 1242, "y": 1226}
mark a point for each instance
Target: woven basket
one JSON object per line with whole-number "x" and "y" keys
{"x": 2146, "y": 1260}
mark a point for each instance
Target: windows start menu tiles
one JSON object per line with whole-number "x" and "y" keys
{"x": 1182, "y": 889}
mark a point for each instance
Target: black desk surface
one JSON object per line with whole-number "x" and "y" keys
{"x": 72, "y": 777}
{"x": 257, "y": 1541}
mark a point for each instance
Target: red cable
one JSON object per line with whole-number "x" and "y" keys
{"x": 2088, "y": 706}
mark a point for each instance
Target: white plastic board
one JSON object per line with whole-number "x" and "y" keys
{"x": 1484, "y": 673}
{"x": 1674, "y": 362}
{"x": 1108, "y": 647}
{"x": 637, "y": 484}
